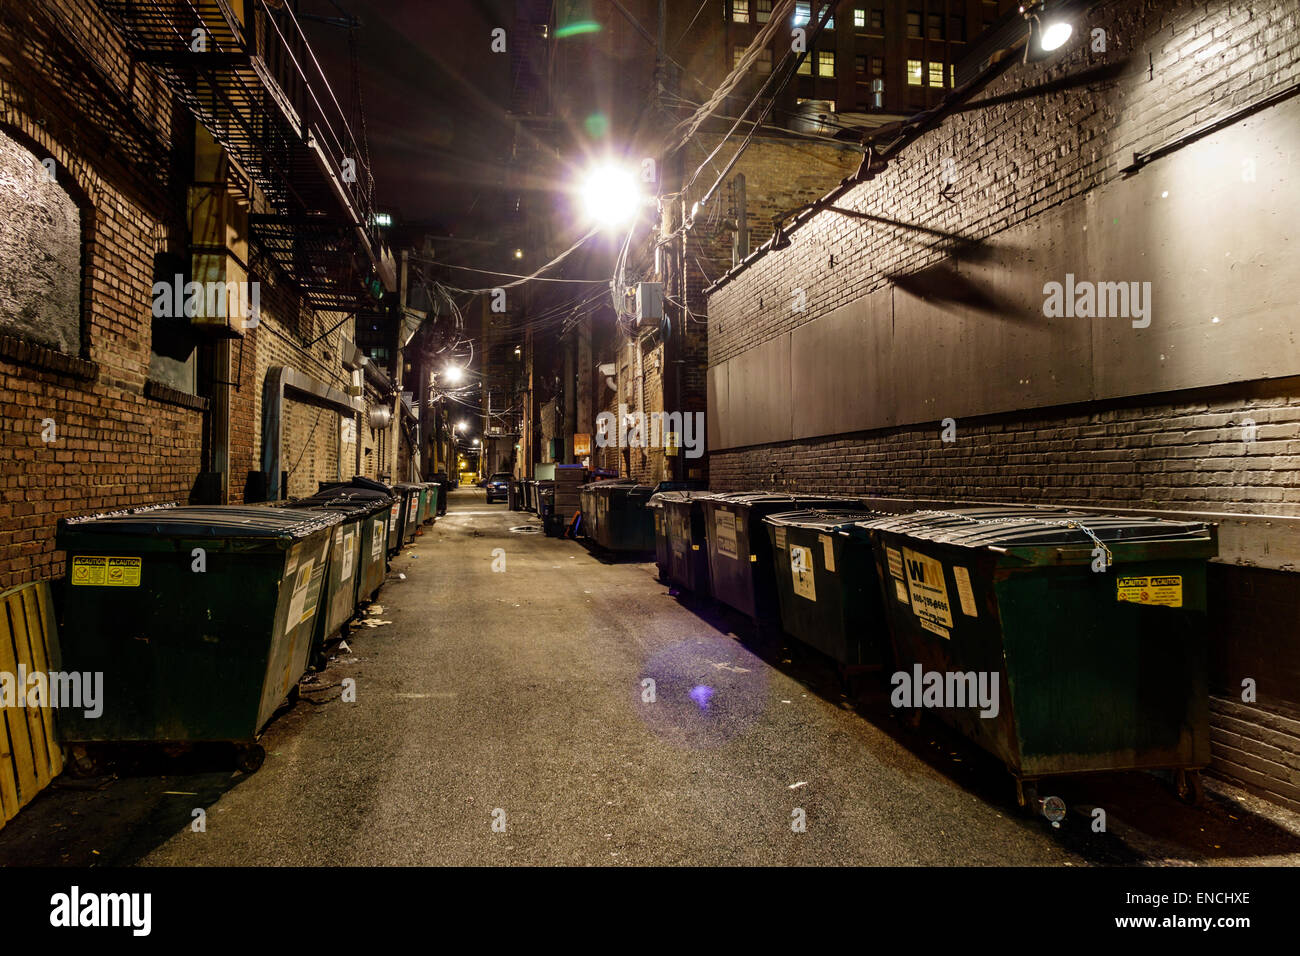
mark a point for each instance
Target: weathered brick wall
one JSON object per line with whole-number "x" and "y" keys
{"x": 115, "y": 445}
{"x": 69, "y": 91}
{"x": 1018, "y": 155}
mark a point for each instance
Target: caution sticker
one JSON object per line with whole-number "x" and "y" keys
{"x": 1165, "y": 590}
{"x": 929, "y": 593}
{"x": 106, "y": 572}
{"x": 377, "y": 539}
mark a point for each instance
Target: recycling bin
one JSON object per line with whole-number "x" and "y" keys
{"x": 741, "y": 570}
{"x": 1090, "y": 627}
{"x": 826, "y": 585}
{"x": 512, "y": 496}
{"x": 200, "y": 619}
{"x": 409, "y": 495}
{"x": 680, "y": 538}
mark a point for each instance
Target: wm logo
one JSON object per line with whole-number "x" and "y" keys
{"x": 916, "y": 571}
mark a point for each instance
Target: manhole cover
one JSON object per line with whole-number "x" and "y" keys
{"x": 526, "y": 529}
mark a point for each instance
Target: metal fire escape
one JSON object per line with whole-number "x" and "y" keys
{"x": 245, "y": 70}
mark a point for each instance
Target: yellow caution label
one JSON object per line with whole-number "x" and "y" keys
{"x": 1165, "y": 590}
{"x": 106, "y": 572}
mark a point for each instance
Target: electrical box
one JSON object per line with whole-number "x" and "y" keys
{"x": 649, "y": 302}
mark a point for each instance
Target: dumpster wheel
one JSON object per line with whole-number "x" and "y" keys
{"x": 84, "y": 762}
{"x": 1190, "y": 786}
{"x": 249, "y": 757}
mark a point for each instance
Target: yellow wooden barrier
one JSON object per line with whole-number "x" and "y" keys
{"x": 29, "y": 750}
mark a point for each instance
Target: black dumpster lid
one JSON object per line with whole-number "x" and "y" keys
{"x": 752, "y": 499}
{"x": 349, "y": 504}
{"x": 1020, "y": 526}
{"x": 663, "y": 497}
{"x": 358, "y": 482}
{"x": 215, "y": 521}
{"x": 611, "y": 483}
{"x": 821, "y": 519}
{"x": 407, "y": 486}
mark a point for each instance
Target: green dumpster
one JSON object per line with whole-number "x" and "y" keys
{"x": 663, "y": 552}
{"x": 409, "y": 516}
{"x": 1091, "y": 629}
{"x": 740, "y": 554}
{"x": 620, "y": 519}
{"x": 357, "y": 560}
{"x": 680, "y": 534}
{"x": 826, "y": 585}
{"x": 430, "y": 510}
{"x": 199, "y": 619}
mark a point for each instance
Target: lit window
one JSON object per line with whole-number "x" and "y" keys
{"x": 859, "y": 17}
{"x": 936, "y": 74}
{"x": 740, "y": 11}
{"x": 913, "y": 24}
{"x": 805, "y": 66}
{"x": 913, "y": 72}
{"x": 802, "y": 13}
{"x": 737, "y": 52}
{"x": 765, "y": 60}
{"x": 825, "y": 63}
{"x": 952, "y": 75}
{"x": 762, "y": 10}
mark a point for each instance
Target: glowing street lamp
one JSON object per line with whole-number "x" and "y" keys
{"x": 611, "y": 196}
{"x": 454, "y": 374}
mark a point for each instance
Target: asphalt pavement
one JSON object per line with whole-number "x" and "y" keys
{"x": 523, "y": 700}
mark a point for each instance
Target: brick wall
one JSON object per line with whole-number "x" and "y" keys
{"x": 116, "y": 443}
{"x": 69, "y": 91}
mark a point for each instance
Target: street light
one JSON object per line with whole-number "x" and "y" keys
{"x": 611, "y": 196}
{"x": 454, "y": 374}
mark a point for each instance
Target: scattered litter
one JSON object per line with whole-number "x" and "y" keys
{"x": 401, "y": 577}
{"x": 673, "y": 592}
{"x": 375, "y": 610}
{"x": 787, "y": 702}
{"x": 796, "y": 786}
{"x": 371, "y": 622}
{"x": 343, "y": 646}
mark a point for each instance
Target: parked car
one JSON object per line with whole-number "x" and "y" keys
{"x": 498, "y": 487}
